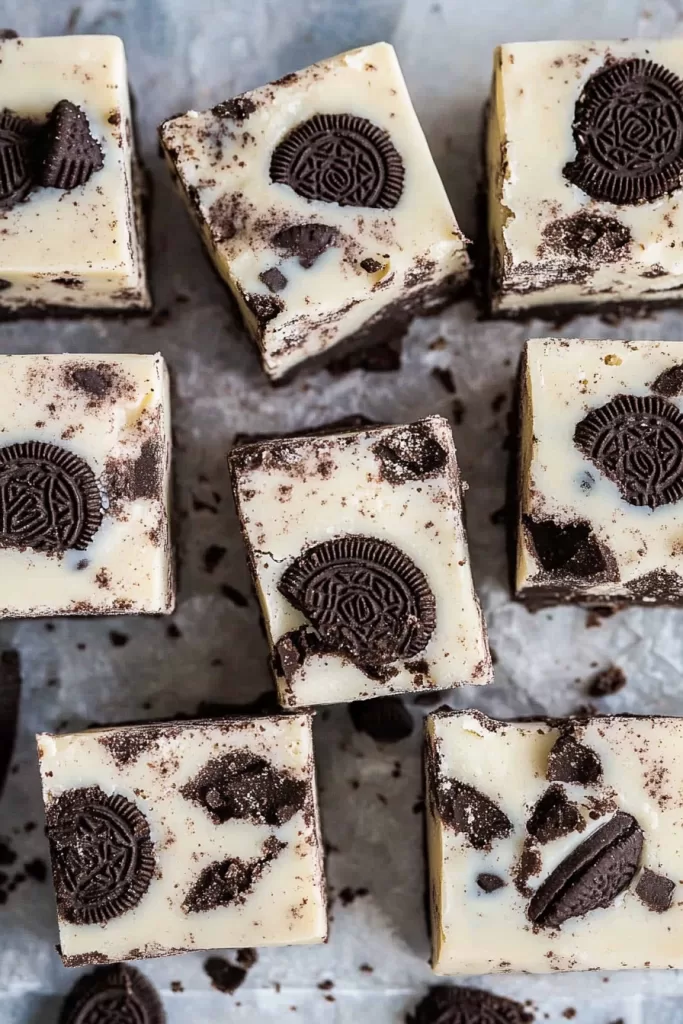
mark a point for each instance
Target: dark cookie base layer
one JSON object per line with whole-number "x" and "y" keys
{"x": 560, "y": 313}
{"x": 539, "y": 598}
{"x": 388, "y": 324}
{"x": 40, "y": 311}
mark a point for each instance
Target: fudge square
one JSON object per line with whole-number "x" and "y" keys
{"x": 359, "y": 556}
{"x": 321, "y": 206}
{"x": 85, "y": 472}
{"x": 601, "y": 473}
{"x": 585, "y": 167}
{"x": 185, "y": 835}
{"x": 70, "y": 184}
{"x": 554, "y": 845}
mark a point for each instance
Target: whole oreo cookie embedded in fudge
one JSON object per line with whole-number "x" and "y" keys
{"x": 65, "y": 125}
{"x": 190, "y": 835}
{"x": 590, "y": 219}
{"x": 85, "y": 469}
{"x": 357, "y": 547}
{"x": 321, "y": 206}
{"x": 553, "y": 844}
{"x": 600, "y": 473}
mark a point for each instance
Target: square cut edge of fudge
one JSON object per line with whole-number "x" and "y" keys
{"x": 321, "y": 207}
{"x": 72, "y": 190}
{"x": 85, "y": 486}
{"x": 358, "y": 553}
{"x": 599, "y": 507}
{"x": 174, "y": 837}
{"x": 553, "y": 843}
{"x": 584, "y": 173}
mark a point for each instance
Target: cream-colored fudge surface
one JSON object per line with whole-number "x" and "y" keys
{"x": 395, "y": 486}
{"x": 99, "y": 545}
{"x": 222, "y": 158}
{"x": 478, "y": 928}
{"x": 551, "y": 243}
{"x": 616, "y": 548}
{"x": 192, "y": 829}
{"x": 83, "y": 248}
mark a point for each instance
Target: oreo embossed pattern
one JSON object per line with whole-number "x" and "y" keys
{"x": 629, "y": 133}
{"x": 339, "y": 158}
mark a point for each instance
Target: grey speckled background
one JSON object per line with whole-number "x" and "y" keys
{"x": 183, "y": 55}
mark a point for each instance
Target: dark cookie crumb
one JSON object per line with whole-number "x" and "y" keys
{"x": 385, "y": 719}
{"x": 225, "y": 977}
{"x": 229, "y": 882}
{"x": 238, "y": 109}
{"x": 410, "y": 453}
{"x": 244, "y": 786}
{"x": 213, "y": 555}
{"x": 607, "y": 682}
{"x": 572, "y": 761}
{"x": 490, "y": 883}
{"x": 655, "y": 891}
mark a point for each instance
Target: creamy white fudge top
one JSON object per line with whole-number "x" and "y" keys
{"x": 231, "y": 800}
{"x": 611, "y": 463}
{"x": 632, "y": 778}
{"x": 359, "y": 556}
{"x": 85, "y": 475}
{"x": 551, "y": 241}
{"x": 404, "y": 227}
{"x": 80, "y": 248}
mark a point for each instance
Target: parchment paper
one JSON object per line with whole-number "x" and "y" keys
{"x": 193, "y": 54}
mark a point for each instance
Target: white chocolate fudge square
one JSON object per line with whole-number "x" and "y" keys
{"x": 554, "y": 845}
{"x": 585, "y": 167}
{"x": 75, "y": 244}
{"x": 85, "y": 482}
{"x": 359, "y": 556}
{"x": 320, "y": 204}
{"x": 601, "y": 472}
{"x": 180, "y": 836}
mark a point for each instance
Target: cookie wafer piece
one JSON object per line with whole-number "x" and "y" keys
{"x": 71, "y": 153}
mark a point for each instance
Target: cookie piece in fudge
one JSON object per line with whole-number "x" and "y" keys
{"x": 554, "y": 844}
{"x": 85, "y": 472}
{"x": 358, "y": 552}
{"x": 71, "y": 189}
{"x": 584, "y": 164}
{"x": 321, "y": 207}
{"x": 600, "y": 509}
{"x": 193, "y": 835}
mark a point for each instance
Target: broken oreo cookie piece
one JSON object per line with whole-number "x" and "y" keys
{"x": 71, "y": 155}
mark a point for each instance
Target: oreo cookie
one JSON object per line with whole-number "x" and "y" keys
{"x": 113, "y": 995}
{"x": 17, "y": 165}
{"x": 70, "y": 153}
